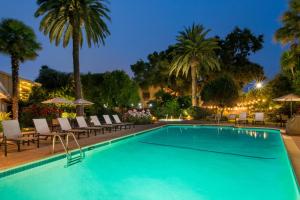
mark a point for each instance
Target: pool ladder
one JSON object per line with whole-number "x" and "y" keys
{"x": 71, "y": 159}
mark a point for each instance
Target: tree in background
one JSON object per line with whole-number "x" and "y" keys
{"x": 67, "y": 19}
{"x": 110, "y": 90}
{"x": 155, "y": 72}
{"x": 19, "y": 42}
{"x": 222, "y": 91}
{"x": 194, "y": 53}
{"x": 234, "y": 55}
{"x": 52, "y": 79}
{"x": 289, "y": 34}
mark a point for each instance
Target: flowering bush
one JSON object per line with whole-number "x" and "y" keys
{"x": 38, "y": 111}
{"x": 138, "y": 117}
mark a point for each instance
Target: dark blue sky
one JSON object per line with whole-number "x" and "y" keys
{"x": 140, "y": 27}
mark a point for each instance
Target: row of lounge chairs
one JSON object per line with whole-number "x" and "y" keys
{"x": 12, "y": 133}
{"x": 243, "y": 118}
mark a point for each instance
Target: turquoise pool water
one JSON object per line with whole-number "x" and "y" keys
{"x": 174, "y": 162}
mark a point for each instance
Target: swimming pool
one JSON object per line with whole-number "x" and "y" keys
{"x": 172, "y": 162}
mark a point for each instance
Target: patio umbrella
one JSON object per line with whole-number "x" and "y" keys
{"x": 58, "y": 100}
{"x": 82, "y": 102}
{"x": 288, "y": 98}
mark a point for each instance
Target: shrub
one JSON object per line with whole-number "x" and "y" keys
{"x": 3, "y": 116}
{"x": 38, "y": 111}
{"x": 199, "y": 113}
{"x": 170, "y": 108}
{"x": 70, "y": 115}
{"x": 138, "y": 117}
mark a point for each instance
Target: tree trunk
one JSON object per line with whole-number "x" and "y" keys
{"x": 15, "y": 87}
{"x": 194, "y": 85}
{"x": 78, "y": 90}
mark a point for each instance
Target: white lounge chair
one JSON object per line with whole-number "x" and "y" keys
{"x": 242, "y": 118}
{"x": 118, "y": 121}
{"x": 42, "y": 129}
{"x": 66, "y": 127}
{"x": 12, "y": 134}
{"x": 82, "y": 124}
{"x": 293, "y": 125}
{"x": 259, "y": 117}
{"x": 95, "y": 121}
{"x": 109, "y": 122}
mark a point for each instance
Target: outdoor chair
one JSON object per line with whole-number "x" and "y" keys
{"x": 12, "y": 135}
{"x": 118, "y": 121}
{"x": 109, "y": 122}
{"x": 96, "y": 123}
{"x": 259, "y": 117}
{"x": 42, "y": 130}
{"x": 293, "y": 125}
{"x": 83, "y": 125}
{"x": 66, "y": 127}
{"x": 242, "y": 118}
{"x": 231, "y": 118}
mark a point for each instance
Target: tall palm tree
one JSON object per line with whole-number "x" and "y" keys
{"x": 289, "y": 33}
{"x": 19, "y": 42}
{"x": 289, "y": 62}
{"x": 65, "y": 19}
{"x": 194, "y": 53}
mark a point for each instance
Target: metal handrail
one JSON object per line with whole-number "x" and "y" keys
{"x": 79, "y": 147}
{"x": 66, "y": 146}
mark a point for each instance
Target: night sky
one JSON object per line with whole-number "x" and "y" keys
{"x": 139, "y": 27}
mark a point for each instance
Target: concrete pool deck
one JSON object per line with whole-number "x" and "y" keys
{"x": 31, "y": 153}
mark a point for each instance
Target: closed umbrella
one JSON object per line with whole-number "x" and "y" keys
{"x": 288, "y": 98}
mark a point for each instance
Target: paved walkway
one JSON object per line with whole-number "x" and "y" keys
{"x": 31, "y": 153}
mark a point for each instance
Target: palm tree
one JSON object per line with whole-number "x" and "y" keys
{"x": 289, "y": 33}
{"x": 19, "y": 42}
{"x": 289, "y": 62}
{"x": 194, "y": 53}
{"x": 65, "y": 19}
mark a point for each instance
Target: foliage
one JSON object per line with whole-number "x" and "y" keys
{"x": 138, "y": 117}
{"x": 221, "y": 91}
{"x": 199, "y": 112}
{"x": 193, "y": 54}
{"x": 36, "y": 111}
{"x": 111, "y": 89}
{"x": 184, "y": 102}
{"x": 67, "y": 19}
{"x": 19, "y": 42}
{"x": 3, "y": 116}
{"x": 52, "y": 79}
{"x": 279, "y": 86}
{"x": 155, "y": 72}
{"x": 61, "y": 18}
{"x": 234, "y": 54}
{"x": 289, "y": 33}
{"x": 170, "y": 109}
{"x": 70, "y": 115}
